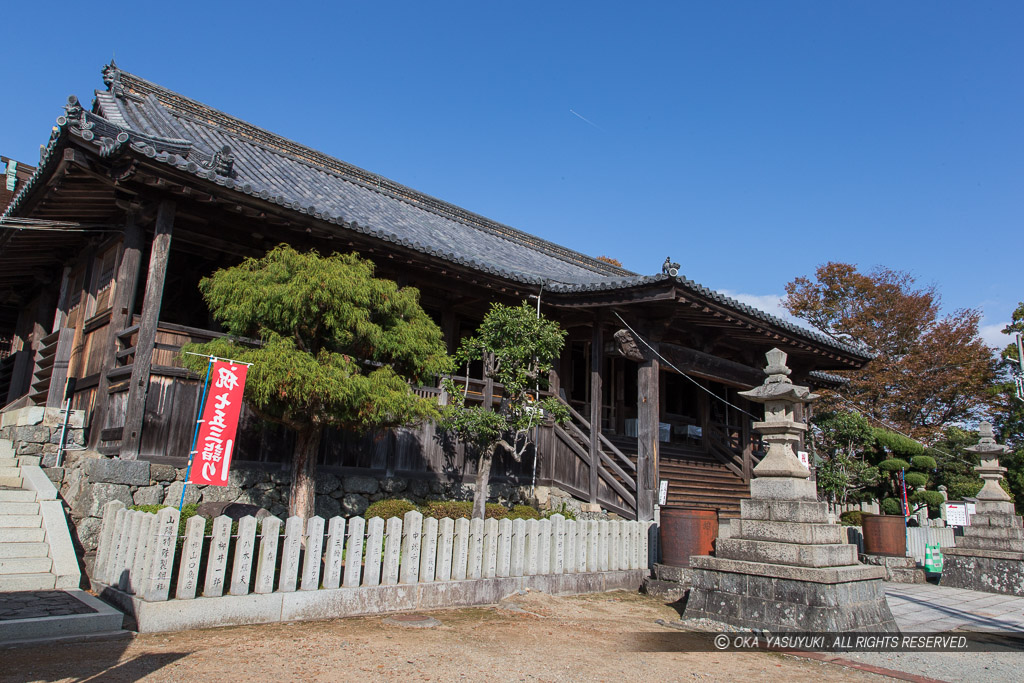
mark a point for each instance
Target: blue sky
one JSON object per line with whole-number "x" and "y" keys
{"x": 751, "y": 141}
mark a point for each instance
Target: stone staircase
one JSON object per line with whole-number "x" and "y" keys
{"x": 35, "y": 546}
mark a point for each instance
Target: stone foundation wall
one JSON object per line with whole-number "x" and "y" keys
{"x": 965, "y": 569}
{"x": 36, "y": 432}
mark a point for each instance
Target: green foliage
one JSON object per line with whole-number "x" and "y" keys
{"x": 933, "y": 499}
{"x": 923, "y": 463}
{"x": 841, "y": 438}
{"x": 390, "y": 507}
{"x": 893, "y": 465}
{"x": 852, "y": 518}
{"x": 891, "y": 506}
{"x": 517, "y": 347}
{"x": 523, "y": 512}
{"x": 338, "y": 345}
{"x": 461, "y": 509}
{"x": 897, "y": 444}
{"x": 915, "y": 479}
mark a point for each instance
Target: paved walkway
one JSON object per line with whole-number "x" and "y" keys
{"x": 926, "y": 608}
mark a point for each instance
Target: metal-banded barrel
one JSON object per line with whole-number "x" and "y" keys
{"x": 885, "y": 535}
{"x": 685, "y": 532}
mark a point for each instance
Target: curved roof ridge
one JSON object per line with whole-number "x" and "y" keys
{"x": 207, "y": 115}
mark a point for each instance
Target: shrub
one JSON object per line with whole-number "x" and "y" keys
{"x": 923, "y": 462}
{"x": 932, "y": 499}
{"x": 455, "y": 509}
{"x": 461, "y": 509}
{"x": 390, "y": 507}
{"x": 852, "y": 518}
{"x": 915, "y": 479}
{"x": 891, "y": 506}
{"x": 523, "y": 512}
{"x": 893, "y": 465}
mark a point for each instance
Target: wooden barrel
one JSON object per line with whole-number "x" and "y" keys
{"x": 885, "y": 535}
{"x": 685, "y": 532}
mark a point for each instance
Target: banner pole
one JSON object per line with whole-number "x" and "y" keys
{"x": 195, "y": 432}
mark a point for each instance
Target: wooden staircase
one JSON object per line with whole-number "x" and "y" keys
{"x": 695, "y": 479}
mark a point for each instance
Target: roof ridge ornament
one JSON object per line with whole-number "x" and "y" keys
{"x": 669, "y": 268}
{"x": 112, "y": 79}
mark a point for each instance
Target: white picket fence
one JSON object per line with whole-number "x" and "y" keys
{"x": 139, "y": 552}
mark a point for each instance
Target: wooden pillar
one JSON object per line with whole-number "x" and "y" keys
{"x": 146, "y": 339}
{"x": 450, "y": 329}
{"x": 648, "y": 412}
{"x": 62, "y": 355}
{"x": 596, "y": 356}
{"x": 32, "y": 326}
{"x": 120, "y": 318}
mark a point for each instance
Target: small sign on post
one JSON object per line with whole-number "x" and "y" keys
{"x": 663, "y": 492}
{"x": 216, "y": 439}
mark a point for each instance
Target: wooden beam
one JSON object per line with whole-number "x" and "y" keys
{"x": 125, "y": 287}
{"x": 648, "y": 418}
{"x": 136, "y": 408}
{"x": 693, "y": 362}
{"x": 596, "y": 356}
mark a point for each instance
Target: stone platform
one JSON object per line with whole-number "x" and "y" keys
{"x": 668, "y": 582}
{"x": 897, "y": 569}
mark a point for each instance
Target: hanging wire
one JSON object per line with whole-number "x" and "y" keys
{"x": 668, "y": 363}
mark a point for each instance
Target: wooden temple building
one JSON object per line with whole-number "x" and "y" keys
{"x": 143, "y": 192}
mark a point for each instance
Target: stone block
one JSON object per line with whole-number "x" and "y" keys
{"x": 88, "y": 530}
{"x": 811, "y": 512}
{"x": 281, "y": 478}
{"x": 354, "y": 504}
{"x": 116, "y": 471}
{"x": 669, "y": 591}
{"x": 29, "y": 448}
{"x": 783, "y": 488}
{"x": 31, "y": 434}
{"x": 1001, "y": 507}
{"x": 979, "y": 573}
{"x": 325, "y": 483}
{"x": 54, "y": 474}
{"x": 163, "y": 473}
{"x": 221, "y": 494}
{"x": 1000, "y": 520}
{"x": 393, "y": 485}
{"x": 418, "y": 488}
{"x": 149, "y": 495}
{"x": 360, "y": 484}
{"x": 835, "y": 555}
{"x": 327, "y": 507}
{"x": 1007, "y": 532}
{"x": 172, "y": 494}
{"x": 247, "y": 478}
{"x": 706, "y": 567}
{"x": 983, "y": 543}
{"x": 788, "y": 532}
{"x": 92, "y": 497}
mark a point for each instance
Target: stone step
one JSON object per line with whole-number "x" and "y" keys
{"x": 25, "y": 508}
{"x": 30, "y": 460}
{"x": 768, "y": 552}
{"x": 17, "y": 496}
{"x": 789, "y": 532}
{"x": 27, "y": 582}
{"x": 98, "y": 619}
{"x": 15, "y": 521}
{"x": 25, "y": 565}
{"x": 24, "y": 550}
{"x": 10, "y": 471}
{"x": 22, "y": 534}
{"x": 14, "y": 482}
{"x": 8, "y": 461}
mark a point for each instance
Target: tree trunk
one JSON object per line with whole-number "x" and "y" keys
{"x": 483, "y": 477}
{"x": 302, "y": 495}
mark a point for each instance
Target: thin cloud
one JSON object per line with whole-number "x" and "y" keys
{"x": 584, "y": 118}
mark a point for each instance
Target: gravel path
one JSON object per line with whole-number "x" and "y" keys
{"x": 532, "y": 637}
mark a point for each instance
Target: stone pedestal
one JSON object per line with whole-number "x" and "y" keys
{"x": 990, "y": 555}
{"x": 897, "y": 569}
{"x": 785, "y": 567}
{"x": 668, "y": 582}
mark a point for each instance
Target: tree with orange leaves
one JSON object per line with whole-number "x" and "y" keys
{"x": 930, "y": 371}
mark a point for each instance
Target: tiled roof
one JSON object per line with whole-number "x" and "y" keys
{"x": 194, "y": 138}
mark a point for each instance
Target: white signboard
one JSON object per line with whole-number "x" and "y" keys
{"x": 956, "y": 514}
{"x": 663, "y": 492}
{"x": 805, "y": 458}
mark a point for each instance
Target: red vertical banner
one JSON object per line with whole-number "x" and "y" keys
{"x": 216, "y": 442}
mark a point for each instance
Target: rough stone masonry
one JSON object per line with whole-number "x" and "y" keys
{"x": 990, "y": 556}
{"x": 786, "y": 568}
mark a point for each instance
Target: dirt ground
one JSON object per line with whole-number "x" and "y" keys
{"x": 532, "y": 637}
